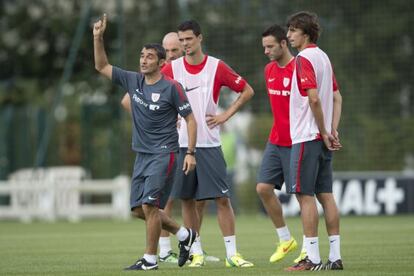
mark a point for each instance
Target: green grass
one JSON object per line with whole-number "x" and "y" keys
{"x": 370, "y": 246}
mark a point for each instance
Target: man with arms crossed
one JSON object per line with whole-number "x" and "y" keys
{"x": 156, "y": 102}
{"x": 274, "y": 169}
{"x": 203, "y": 76}
{"x": 315, "y": 111}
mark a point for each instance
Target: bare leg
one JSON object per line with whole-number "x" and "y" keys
{"x": 168, "y": 209}
{"x": 225, "y": 216}
{"x": 330, "y": 212}
{"x": 153, "y": 228}
{"x": 271, "y": 203}
{"x": 200, "y": 206}
{"x": 190, "y": 216}
{"x": 167, "y": 223}
{"x": 309, "y": 215}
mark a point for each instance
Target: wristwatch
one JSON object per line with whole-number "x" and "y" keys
{"x": 191, "y": 151}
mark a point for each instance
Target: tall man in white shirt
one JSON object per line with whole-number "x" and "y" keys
{"x": 315, "y": 111}
{"x": 202, "y": 77}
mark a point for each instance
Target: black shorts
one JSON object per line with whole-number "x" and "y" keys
{"x": 310, "y": 168}
{"x": 274, "y": 169}
{"x": 207, "y": 181}
{"x": 152, "y": 179}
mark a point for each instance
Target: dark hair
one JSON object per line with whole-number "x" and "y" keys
{"x": 306, "y": 21}
{"x": 278, "y": 32}
{"x": 190, "y": 25}
{"x": 158, "y": 48}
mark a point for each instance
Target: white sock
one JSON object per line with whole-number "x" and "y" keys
{"x": 196, "y": 247}
{"x": 165, "y": 246}
{"x": 230, "y": 243}
{"x": 283, "y": 233}
{"x": 312, "y": 247}
{"x": 303, "y": 244}
{"x": 334, "y": 248}
{"x": 150, "y": 258}
{"x": 182, "y": 233}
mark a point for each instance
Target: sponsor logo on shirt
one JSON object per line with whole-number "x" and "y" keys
{"x": 154, "y": 107}
{"x": 139, "y": 101}
{"x": 185, "y": 106}
{"x": 279, "y": 92}
{"x": 271, "y": 80}
{"x": 139, "y": 92}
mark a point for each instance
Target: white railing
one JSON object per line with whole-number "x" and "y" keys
{"x": 55, "y": 193}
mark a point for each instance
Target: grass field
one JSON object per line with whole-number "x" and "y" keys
{"x": 370, "y": 246}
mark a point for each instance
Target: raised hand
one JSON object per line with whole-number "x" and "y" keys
{"x": 100, "y": 26}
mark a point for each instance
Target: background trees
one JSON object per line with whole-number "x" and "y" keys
{"x": 369, "y": 42}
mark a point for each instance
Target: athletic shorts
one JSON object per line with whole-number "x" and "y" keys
{"x": 152, "y": 179}
{"x": 310, "y": 168}
{"x": 274, "y": 169}
{"x": 207, "y": 181}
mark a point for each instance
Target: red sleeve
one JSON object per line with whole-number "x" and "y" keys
{"x": 225, "y": 76}
{"x": 305, "y": 75}
{"x": 167, "y": 71}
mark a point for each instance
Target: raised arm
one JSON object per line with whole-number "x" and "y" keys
{"x": 101, "y": 61}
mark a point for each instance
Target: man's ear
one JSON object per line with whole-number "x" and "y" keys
{"x": 200, "y": 36}
{"x": 161, "y": 62}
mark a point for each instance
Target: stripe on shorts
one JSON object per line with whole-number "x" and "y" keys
{"x": 302, "y": 150}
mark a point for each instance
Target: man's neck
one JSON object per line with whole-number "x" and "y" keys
{"x": 286, "y": 58}
{"x": 152, "y": 78}
{"x": 303, "y": 46}
{"x": 195, "y": 59}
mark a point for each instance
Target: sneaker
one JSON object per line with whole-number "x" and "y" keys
{"x": 283, "y": 249}
{"x": 337, "y": 265}
{"x": 301, "y": 256}
{"x": 238, "y": 261}
{"x": 197, "y": 261}
{"x": 171, "y": 257}
{"x": 305, "y": 264}
{"x": 209, "y": 258}
{"x": 185, "y": 246}
{"x": 142, "y": 264}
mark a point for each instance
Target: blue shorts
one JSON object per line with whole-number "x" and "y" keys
{"x": 274, "y": 169}
{"x": 310, "y": 168}
{"x": 207, "y": 181}
{"x": 152, "y": 179}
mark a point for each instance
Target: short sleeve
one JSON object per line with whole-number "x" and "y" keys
{"x": 180, "y": 100}
{"x": 228, "y": 77}
{"x": 122, "y": 77}
{"x": 305, "y": 74}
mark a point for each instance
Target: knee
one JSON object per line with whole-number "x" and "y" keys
{"x": 138, "y": 213}
{"x": 223, "y": 203}
{"x": 264, "y": 190}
